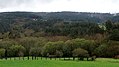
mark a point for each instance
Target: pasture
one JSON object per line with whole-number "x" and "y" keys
{"x": 100, "y": 62}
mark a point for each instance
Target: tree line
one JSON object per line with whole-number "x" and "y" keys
{"x": 33, "y": 36}
{"x": 41, "y": 47}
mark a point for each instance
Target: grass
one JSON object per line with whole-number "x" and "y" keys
{"x": 100, "y": 62}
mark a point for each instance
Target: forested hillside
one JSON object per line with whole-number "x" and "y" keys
{"x": 8, "y": 20}
{"x": 62, "y": 34}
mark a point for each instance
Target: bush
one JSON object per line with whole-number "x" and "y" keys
{"x": 80, "y": 53}
{"x": 2, "y": 53}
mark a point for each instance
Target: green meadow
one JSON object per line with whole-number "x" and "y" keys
{"x": 100, "y": 62}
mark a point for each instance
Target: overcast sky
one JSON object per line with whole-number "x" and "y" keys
{"x": 104, "y": 6}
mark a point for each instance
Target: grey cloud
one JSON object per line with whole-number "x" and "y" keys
{"x": 115, "y": 1}
{"x": 12, "y": 3}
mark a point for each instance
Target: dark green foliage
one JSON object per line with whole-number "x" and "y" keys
{"x": 109, "y": 25}
{"x": 53, "y": 48}
{"x": 101, "y": 50}
{"x": 2, "y": 53}
{"x": 114, "y": 35}
{"x": 58, "y": 34}
{"x": 17, "y": 50}
{"x": 58, "y": 23}
{"x": 80, "y": 53}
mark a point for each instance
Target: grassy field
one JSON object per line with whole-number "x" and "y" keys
{"x": 101, "y": 62}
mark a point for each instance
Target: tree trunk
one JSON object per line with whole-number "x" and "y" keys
{"x": 5, "y": 58}
{"x": 50, "y": 58}
{"x": 78, "y": 58}
{"x": 14, "y": 58}
{"x": 32, "y": 57}
{"x": 46, "y": 58}
{"x": 87, "y": 59}
{"x": 28, "y": 57}
{"x": 19, "y": 58}
{"x": 73, "y": 58}
{"x": 82, "y": 58}
{"x": 6, "y": 54}
{"x": 23, "y": 57}
{"x": 59, "y": 58}
{"x": 10, "y": 58}
{"x": 55, "y": 58}
{"x": 64, "y": 58}
{"x": 41, "y": 57}
{"x": 35, "y": 57}
{"x": 69, "y": 58}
